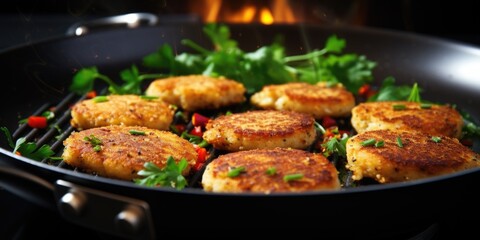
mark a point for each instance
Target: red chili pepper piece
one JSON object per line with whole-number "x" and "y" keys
{"x": 364, "y": 89}
{"x": 201, "y": 158}
{"x": 197, "y": 131}
{"x": 202, "y": 154}
{"x": 180, "y": 127}
{"x": 91, "y": 94}
{"x": 37, "y": 122}
{"x": 328, "y": 122}
{"x": 198, "y": 166}
{"x": 199, "y": 120}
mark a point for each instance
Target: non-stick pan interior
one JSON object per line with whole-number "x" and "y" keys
{"x": 38, "y": 73}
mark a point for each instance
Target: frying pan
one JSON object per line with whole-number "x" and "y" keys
{"x": 40, "y": 73}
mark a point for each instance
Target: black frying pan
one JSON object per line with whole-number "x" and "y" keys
{"x": 35, "y": 74}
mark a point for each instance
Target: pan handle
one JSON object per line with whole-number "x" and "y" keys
{"x": 103, "y": 211}
{"x": 27, "y": 186}
{"x": 130, "y": 20}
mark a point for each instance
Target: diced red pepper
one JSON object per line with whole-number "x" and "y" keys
{"x": 364, "y": 89}
{"x": 180, "y": 127}
{"x": 197, "y": 131}
{"x": 37, "y": 122}
{"x": 198, "y": 166}
{"x": 201, "y": 158}
{"x": 199, "y": 120}
{"x": 202, "y": 154}
{"x": 328, "y": 122}
{"x": 91, "y": 94}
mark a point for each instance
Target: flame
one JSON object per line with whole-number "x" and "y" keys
{"x": 266, "y": 16}
{"x": 247, "y": 11}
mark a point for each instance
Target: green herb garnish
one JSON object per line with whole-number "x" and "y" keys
{"x": 319, "y": 127}
{"x": 436, "y": 139}
{"x": 234, "y": 172}
{"x": 99, "y": 99}
{"x": 335, "y": 146}
{"x": 95, "y": 142}
{"x": 415, "y": 94}
{"x": 271, "y": 171}
{"x": 399, "y": 107}
{"x": 28, "y": 149}
{"x": 380, "y": 143}
{"x": 144, "y": 97}
{"x": 136, "y": 132}
{"x": 399, "y": 142}
{"x": 369, "y": 142}
{"x": 84, "y": 79}
{"x": 266, "y": 65}
{"x": 292, "y": 177}
{"x": 169, "y": 176}
{"x": 425, "y": 106}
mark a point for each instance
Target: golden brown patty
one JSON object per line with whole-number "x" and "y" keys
{"x": 122, "y": 153}
{"x": 128, "y": 110}
{"x": 261, "y": 129}
{"x": 436, "y": 120}
{"x": 419, "y": 157}
{"x": 196, "y": 92}
{"x": 265, "y": 169}
{"x": 318, "y": 100}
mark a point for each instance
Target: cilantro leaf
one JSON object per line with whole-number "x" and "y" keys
{"x": 8, "y": 136}
{"x": 390, "y": 92}
{"x": 335, "y": 44}
{"x": 334, "y": 145}
{"x": 169, "y": 176}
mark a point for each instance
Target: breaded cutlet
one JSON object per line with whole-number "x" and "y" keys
{"x": 407, "y": 116}
{"x": 318, "y": 100}
{"x": 197, "y": 92}
{"x": 126, "y": 110}
{"x": 121, "y": 151}
{"x": 406, "y": 156}
{"x": 269, "y": 171}
{"x": 261, "y": 129}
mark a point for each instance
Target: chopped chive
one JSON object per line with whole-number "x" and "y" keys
{"x": 235, "y": 171}
{"x": 97, "y": 148}
{"x": 94, "y": 141}
{"x": 55, "y": 158}
{"x": 399, "y": 142}
{"x": 399, "y": 107}
{"x": 145, "y": 97}
{"x": 380, "y": 143}
{"x": 292, "y": 177}
{"x": 136, "y": 132}
{"x": 319, "y": 127}
{"x": 425, "y": 105}
{"x": 203, "y": 144}
{"x": 369, "y": 142}
{"x": 436, "y": 139}
{"x": 99, "y": 99}
{"x": 271, "y": 171}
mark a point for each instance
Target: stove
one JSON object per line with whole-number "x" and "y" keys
{"x": 23, "y": 25}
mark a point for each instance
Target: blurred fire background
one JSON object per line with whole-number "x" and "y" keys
{"x": 31, "y": 20}
{"x": 27, "y": 21}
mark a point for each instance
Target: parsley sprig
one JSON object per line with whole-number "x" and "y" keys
{"x": 169, "y": 176}
{"x": 28, "y": 149}
{"x": 268, "y": 64}
{"x": 83, "y": 80}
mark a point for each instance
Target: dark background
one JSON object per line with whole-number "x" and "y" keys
{"x": 30, "y": 21}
